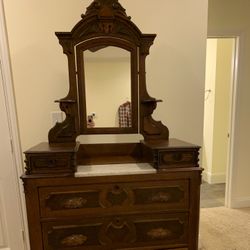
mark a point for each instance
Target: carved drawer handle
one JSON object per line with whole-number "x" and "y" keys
{"x": 161, "y": 197}
{"x": 74, "y": 203}
{"x": 117, "y": 189}
{"x": 159, "y": 233}
{"x": 74, "y": 240}
{"x": 177, "y": 156}
{"x": 116, "y": 196}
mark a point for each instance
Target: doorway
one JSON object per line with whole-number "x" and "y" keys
{"x": 11, "y": 221}
{"x": 218, "y": 120}
{"x": 13, "y": 226}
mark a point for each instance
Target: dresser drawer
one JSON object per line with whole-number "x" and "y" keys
{"x": 154, "y": 248}
{"x": 109, "y": 198}
{"x": 117, "y": 232}
{"x": 50, "y": 163}
{"x": 177, "y": 159}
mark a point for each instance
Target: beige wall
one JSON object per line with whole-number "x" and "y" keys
{"x": 107, "y": 90}
{"x": 229, "y": 17}
{"x": 175, "y": 68}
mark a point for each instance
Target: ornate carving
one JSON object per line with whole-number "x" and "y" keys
{"x": 74, "y": 203}
{"x": 66, "y": 43}
{"x": 178, "y": 156}
{"x": 74, "y": 240}
{"x": 116, "y": 196}
{"x": 106, "y": 27}
{"x": 26, "y": 189}
{"x": 92, "y": 28}
{"x": 106, "y": 19}
{"x": 27, "y": 166}
{"x": 159, "y": 233}
{"x": 105, "y": 8}
{"x": 66, "y": 130}
{"x": 60, "y": 201}
{"x": 154, "y": 129}
{"x": 147, "y": 43}
{"x": 117, "y": 231}
{"x": 161, "y": 197}
{"x": 186, "y": 157}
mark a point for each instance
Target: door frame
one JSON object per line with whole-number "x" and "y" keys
{"x": 12, "y": 120}
{"x": 230, "y": 171}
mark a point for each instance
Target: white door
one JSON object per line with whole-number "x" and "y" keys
{"x": 11, "y": 228}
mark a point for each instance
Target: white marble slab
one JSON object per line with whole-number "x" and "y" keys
{"x": 114, "y": 169}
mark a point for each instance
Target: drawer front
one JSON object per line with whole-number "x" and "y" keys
{"x": 171, "y": 159}
{"x": 47, "y": 163}
{"x": 118, "y": 232}
{"x": 154, "y": 248}
{"x": 109, "y": 198}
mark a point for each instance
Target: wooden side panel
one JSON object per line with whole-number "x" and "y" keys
{"x": 194, "y": 209}
{"x": 32, "y": 205}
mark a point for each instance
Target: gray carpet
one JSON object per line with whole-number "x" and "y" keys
{"x": 212, "y": 195}
{"x": 224, "y": 229}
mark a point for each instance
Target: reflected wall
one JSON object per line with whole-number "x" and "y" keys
{"x": 107, "y": 83}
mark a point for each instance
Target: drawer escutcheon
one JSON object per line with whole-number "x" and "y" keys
{"x": 159, "y": 233}
{"x": 74, "y": 203}
{"x": 74, "y": 240}
{"x": 116, "y": 196}
{"x": 161, "y": 197}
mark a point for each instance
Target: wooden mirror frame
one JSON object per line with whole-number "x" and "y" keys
{"x": 106, "y": 20}
{"x": 102, "y": 42}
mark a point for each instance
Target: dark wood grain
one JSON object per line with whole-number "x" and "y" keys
{"x": 182, "y": 202}
{"x": 127, "y": 212}
{"x": 106, "y": 24}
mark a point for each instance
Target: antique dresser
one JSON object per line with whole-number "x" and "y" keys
{"x": 140, "y": 195}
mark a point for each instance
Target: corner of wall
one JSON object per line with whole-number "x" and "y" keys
{"x": 240, "y": 202}
{"x": 214, "y": 178}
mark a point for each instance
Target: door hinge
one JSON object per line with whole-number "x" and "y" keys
{"x": 23, "y": 236}
{"x": 11, "y": 145}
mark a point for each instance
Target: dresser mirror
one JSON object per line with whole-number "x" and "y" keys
{"x": 107, "y": 77}
{"x": 106, "y": 84}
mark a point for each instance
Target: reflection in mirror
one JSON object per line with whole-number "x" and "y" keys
{"x": 108, "y": 87}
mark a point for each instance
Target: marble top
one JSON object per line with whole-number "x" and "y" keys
{"x": 114, "y": 169}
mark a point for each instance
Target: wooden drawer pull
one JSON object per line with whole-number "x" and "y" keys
{"x": 161, "y": 197}
{"x": 74, "y": 203}
{"x": 159, "y": 233}
{"x": 74, "y": 240}
{"x": 177, "y": 156}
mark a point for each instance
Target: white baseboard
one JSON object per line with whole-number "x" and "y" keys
{"x": 240, "y": 202}
{"x": 212, "y": 178}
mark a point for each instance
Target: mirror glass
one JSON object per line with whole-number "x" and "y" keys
{"x": 107, "y": 71}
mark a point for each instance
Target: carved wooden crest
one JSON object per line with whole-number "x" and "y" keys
{"x": 106, "y": 22}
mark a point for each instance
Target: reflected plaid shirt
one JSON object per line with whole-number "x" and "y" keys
{"x": 124, "y": 112}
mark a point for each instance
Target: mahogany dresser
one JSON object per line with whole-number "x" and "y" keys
{"x": 111, "y": 196}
